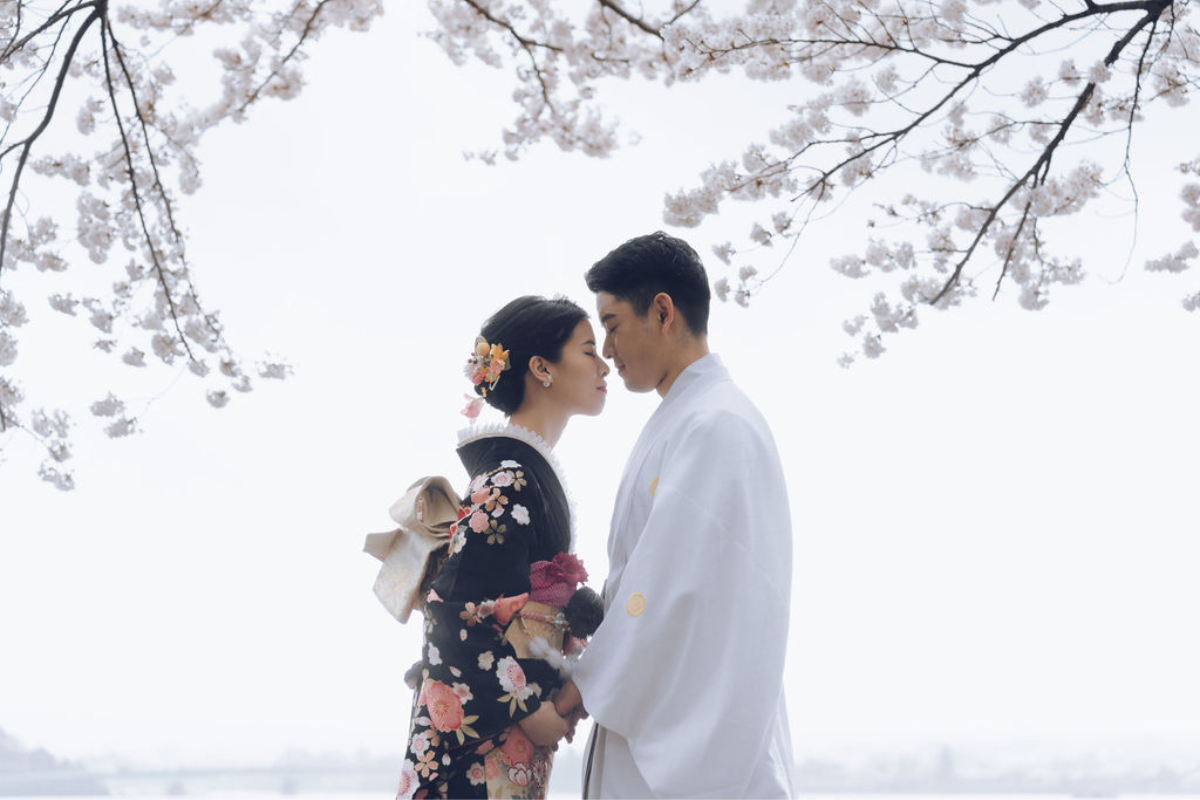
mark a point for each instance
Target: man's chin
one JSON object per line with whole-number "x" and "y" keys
{"x": 634, "y": 386}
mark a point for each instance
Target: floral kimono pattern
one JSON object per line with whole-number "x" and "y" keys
{"x": 474, "y": 686}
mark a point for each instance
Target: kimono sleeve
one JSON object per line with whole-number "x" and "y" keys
{"x": 688, "y": 663}
{"x": 489, "y": 561}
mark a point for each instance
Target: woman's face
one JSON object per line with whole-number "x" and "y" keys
{"x": 578, "y": 377}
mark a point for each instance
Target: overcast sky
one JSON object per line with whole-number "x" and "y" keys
{"x": 995, "y": 524}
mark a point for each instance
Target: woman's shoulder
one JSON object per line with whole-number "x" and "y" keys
{"x": 499, "y": 448}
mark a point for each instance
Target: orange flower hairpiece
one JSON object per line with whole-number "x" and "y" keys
{"x": 484, "y": 367}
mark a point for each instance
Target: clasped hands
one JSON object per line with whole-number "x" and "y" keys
{"x": 556, "y": 719}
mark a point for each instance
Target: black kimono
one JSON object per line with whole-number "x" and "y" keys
{"x": 478, "y": 677}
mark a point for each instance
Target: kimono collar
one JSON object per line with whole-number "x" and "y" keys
{"x": 706, "y": 368}
{"x": 514, "y": 431}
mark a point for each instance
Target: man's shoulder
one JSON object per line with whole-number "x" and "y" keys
{"x": 723, "y": 403}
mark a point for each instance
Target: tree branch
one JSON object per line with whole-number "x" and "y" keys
{"x": 638, "y": 22}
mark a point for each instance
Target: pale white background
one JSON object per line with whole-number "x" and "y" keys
{"x": 995, "y": 524}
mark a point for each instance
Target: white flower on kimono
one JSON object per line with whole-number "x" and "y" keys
{"x": 520, "y": 514}
{"x": 509, "y": 464}
{"x": 485, "y": 660}
{"x": 463, "y": 691}
{"x": 512, "y": 677}
{"x": 457, "y": 541}
{"x": 456, "y": 672}
{"x": 408, "y": 781}
{"x": 420, "y": 743}
{"x": 462, "y": 634}
{"x": 512, "y": 681}
{"x": 502, "y": 479}
{"x": 435, "y": 655}
{"x": 520, "y": 775}
{"x": 476, "y": 774}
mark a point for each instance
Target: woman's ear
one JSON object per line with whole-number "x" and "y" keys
{"x": 537, "y": 366}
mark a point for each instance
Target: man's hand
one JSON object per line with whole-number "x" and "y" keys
{"x": 567, "y": 699}
{"x": 545, "y": 726}
{"x": 573, "y": 720}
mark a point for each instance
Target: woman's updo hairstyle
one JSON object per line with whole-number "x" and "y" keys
{"x": 528, "y": 326}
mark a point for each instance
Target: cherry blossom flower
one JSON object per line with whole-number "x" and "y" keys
{"x": 512, "y": 678}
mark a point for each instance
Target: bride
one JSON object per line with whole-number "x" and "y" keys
{"x": 503, "y": 607}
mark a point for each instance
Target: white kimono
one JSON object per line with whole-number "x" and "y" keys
{"x": 684, "y": 678}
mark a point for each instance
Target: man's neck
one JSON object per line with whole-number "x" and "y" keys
{"x": 687, "y": 355}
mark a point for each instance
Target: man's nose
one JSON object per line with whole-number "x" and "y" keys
{"x": 607, "y": 351}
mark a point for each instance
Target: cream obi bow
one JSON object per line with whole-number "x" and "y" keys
{"x": 424, "y": 514}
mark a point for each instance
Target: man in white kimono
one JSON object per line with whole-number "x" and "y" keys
{"x": 684, "y": 678}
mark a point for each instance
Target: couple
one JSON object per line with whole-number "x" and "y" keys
{"x": 684, "y": 674}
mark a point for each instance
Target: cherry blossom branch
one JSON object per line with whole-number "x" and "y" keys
{"x": 27, "y": 143}
{"x": 17, "y": 44}
{"x": 638, "y": 22}
{"x": 275, "y": 71}
{"x": 133, "y": 187}
{"x": 1042, "y": 164}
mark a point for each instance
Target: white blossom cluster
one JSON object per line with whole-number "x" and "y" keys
{"x": 134, "y": 153}
{"x": 941, "y": 86}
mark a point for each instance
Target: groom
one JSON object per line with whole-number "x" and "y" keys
{"x": 684, "y": 678}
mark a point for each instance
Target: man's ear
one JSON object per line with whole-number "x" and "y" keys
{"x": 662, "y": 311}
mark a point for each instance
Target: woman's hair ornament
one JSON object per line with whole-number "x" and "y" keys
{"x": 483, "y": 369}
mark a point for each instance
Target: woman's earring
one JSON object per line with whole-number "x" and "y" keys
{"x": 546, "y": 383}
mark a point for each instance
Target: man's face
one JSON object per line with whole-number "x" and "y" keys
{"x": 632, "y": 342}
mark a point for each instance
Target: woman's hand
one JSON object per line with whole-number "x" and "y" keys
{"x": 545, "y": 727}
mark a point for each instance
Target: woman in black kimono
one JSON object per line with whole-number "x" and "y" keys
{"x": 502, "y": 609}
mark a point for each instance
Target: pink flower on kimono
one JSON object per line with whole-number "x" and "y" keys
{"x": 408, "y": 781}
{"x": 519, "y": 775}
{"x": 505, "y": 607}
{"x": 463, "y": 691}
{"x": 502, "y": 479}
{"x": 517, "y": 749}
{"x": 480, "y": 495}
{"x": 479, "y": 522}
{"x": 420, "y": 743}
{"x": 486, "y": 747}
{"x": 476, "y": 774}
{"x": 445, "y": 707}
{"x": 491, "y": 768}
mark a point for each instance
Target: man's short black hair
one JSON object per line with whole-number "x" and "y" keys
{"x": 646, "y": 265}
